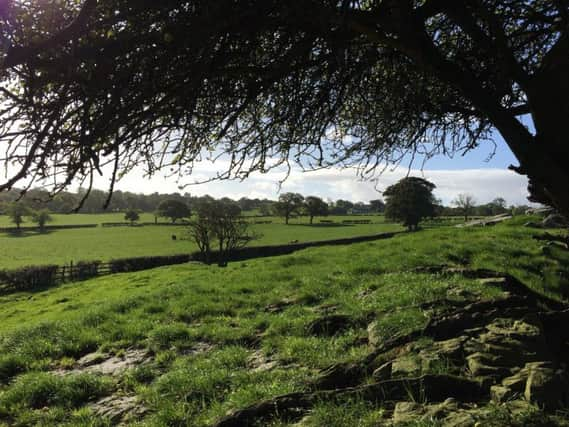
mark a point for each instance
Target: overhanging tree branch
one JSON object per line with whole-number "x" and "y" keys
{"x": 18, "y": 55}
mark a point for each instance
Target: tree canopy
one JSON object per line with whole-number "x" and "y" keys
{"x": 315, "y": 206}
{"x": 465, "y": 203}
{"x": 318, "y": 82}
{"x": 220, "y": 223}
{"x": 288, "y": 204}
{"x": 16, "y": 212}
{"x": 41, "y": 218}
{"x": 173, "y": 209}
{"x": 409, "y": 201}
{"x": 131, "y": 215}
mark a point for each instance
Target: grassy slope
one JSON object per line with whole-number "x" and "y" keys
{"x": 63, "y": 246}
{"x": 168, "y": 310}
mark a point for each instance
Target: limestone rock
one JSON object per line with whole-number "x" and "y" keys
{"x": 118, "y": 408}
{"x": 92, "y": 359}
{"x": 383, "y": 372}
{"x": 411, "y": 412}
{"x": 259, "y": 362}
{"x": 407, "y": 366}
{"x": 374, "y": 335}
{"x": 460, "y": 419}
{"x": 330, "y": 325}
{"x": 517, "y": 382}
{"x": 483, "y": 364}
{"x": 554, "y": 221}
{"x": 452, "y": 349}
{"x": 532, "y": 224}
{"x": 500, "y": 394}
{"x": 110, "y": 365}
{"x": 339, "y": 375}
{"x": 407, "y": 412}
{"x": 118, "y": 364}
{"x": 546, "y": 387}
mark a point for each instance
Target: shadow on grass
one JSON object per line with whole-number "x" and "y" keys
{"x": 325, "y": 225}
{"x": 27, "y": 233}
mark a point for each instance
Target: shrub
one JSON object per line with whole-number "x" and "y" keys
{"x": 10, "y": 366}
{"x": 86, "y": 269}
{"x": 28, "y": 278}
{"x": 142, "y": 263}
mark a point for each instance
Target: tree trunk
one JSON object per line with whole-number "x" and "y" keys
{"x": 543, "y": 157}
{"x": 286, "y": 219}
{"x": 549, "y": 100}
{"x": 311, "y": 219}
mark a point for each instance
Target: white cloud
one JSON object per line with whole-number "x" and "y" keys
{"x": 334, "y": 183}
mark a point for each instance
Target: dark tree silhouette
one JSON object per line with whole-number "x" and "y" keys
{"x": 41, "y": 218}
{"x": 219, "y": 225}
{"x": 288, "y": 204}
{"x": 132, "y": 216}
{"x": 16, "y": 211}
{"x": 266, "y": 81}
{"x": 315, "y": 206}
{"x": 377, "y": 205}
{"x": 465, "y": 204}
{"x": 173, "y": 209}
{"x": 409, "y": 201}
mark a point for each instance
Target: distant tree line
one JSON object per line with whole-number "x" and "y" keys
{"x": 288, "y": 205}
{"x": 466, "y": 205}
{"x": 123, "y": 201}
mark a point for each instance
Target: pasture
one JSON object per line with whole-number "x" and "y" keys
{"x": 31, "y": 247}
{"x": 213, "y": 340}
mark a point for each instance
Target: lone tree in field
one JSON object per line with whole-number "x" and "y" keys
{"x": 173, "y": 209}
{"x": 219, "y": 226}
{"x": 90, "y": 83}
{"x": 132, "y": 216}
{"x": 41, "y": 218}
{"x": 16, "y": 211}
{"x": 409, "y": 201}
{"x": 315, "y": 206}
{"x": 465, "y": 204}
{"x": 288, "y": 204}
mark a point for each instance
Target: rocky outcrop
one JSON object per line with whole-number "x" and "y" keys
{"x": 107, "y": 364}
{"x": 511, "y": 351}
{"x": 116, "y": 409}
{"x": 555, "y": 221}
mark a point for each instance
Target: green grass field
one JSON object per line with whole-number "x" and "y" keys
{"x": 63, "y": 219}
{"x": 104, "y": 243}
{"x": 172, "y": 312}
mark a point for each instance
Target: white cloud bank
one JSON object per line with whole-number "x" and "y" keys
{"x": 483, "y": 184}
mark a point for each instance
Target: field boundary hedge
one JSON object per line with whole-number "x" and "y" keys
{"x": 32, "y": 278}
{"x": 46, "y": 228}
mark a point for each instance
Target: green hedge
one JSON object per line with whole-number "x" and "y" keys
{"x": 86, "y": 269}
{"x": 142, "y": 263}
{"x": 46, "y": 228}
{"x": 28, "y": 278}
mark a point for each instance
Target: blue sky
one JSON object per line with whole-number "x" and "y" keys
{"x": 479, "y": 158}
